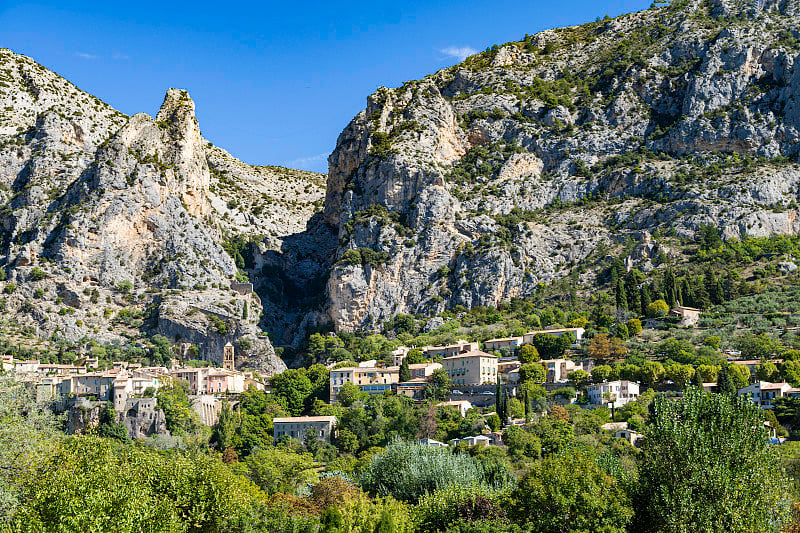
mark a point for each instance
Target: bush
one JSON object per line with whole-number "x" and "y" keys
{"x": 94, "y": 484}
{"x": 407, "y": 471}
{"x": 280, "y": 470}
{"x": 634, "y": 326}
{"x": 438, "y": 510}
{"x": 569, "y": 491}
{"x": 657, "y": 309}
{"x": 10, "y": 288}
{"x": 125, "y": 286}
{"x": 37, "y": 274}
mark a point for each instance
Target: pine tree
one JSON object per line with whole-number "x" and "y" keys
{"x": 702, "y": 300}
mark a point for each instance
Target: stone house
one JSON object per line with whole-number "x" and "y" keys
{"x": 689, "y": 315}
{"x": 296, "y": 427}
{"x": 142, "y": 418}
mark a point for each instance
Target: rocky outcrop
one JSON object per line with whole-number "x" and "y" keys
{"x": 142, "y": 418}
{"x": 111, "y": 221}
{"x": 477, "y": 183}
{"x": 83, "y": 416}
{"x": 211, "y": 319}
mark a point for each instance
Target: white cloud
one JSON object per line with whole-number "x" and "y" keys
{"x": 458, "y": 52}
{"x": 84, "y": 55}
{"x": 305, "y": 161}
{"x": 116, "y": 56}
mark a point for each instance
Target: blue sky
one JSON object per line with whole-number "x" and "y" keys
{"x": 274, "y": 83}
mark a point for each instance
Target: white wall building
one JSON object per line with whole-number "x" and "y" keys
{"x": 617, "y": 393}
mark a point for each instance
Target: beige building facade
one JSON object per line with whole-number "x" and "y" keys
{"x": 471, "y": 368}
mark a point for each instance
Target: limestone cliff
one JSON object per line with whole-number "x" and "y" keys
{"x": 476, "y": 183}
{"x": 111, "y": 224}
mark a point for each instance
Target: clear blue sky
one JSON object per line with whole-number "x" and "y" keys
{"x": 274, "y": 83}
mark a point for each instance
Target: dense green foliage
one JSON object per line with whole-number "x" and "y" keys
{"x": 707, "y": 466}
{"x": 409, "y": 471}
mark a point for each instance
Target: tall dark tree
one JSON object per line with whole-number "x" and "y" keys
{"x": 620, "y": 298}
{"x": 505, "y": 406}
{"x": 498, "y": 400}
{"x": 732, "y": 285}
{"x": 713, "y": 287}
{"x": 668, "y": 284}
{"x": 701, "y": 299}
{"x": 633, "y": 280}
{"x": 724, "y": 381}
{"x": 645, "y": 299}
{"x": 405, "y": 371}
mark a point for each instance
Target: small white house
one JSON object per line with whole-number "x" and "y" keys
{"x": 432, "y": 442}
{"x": 473, "y": 441}
{"x": 763, "y": 393}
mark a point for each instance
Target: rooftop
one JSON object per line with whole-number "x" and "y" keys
{"x": 553, "y": 330}
{"x": 473, "y": 353}
{"x": 290, "y": 419}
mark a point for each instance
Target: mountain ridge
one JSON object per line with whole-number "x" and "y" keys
{"x": 478, "y": 182}
{"x": 520, "y": 166}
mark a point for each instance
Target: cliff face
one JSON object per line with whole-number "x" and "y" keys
{"x": 116, "y": 225}
{"x": 468, "y": 187}
{"x": 476, "y": 183}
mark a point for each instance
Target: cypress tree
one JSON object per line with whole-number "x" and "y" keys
{"x": 632, "y": 281}
{"x": 405, "y": 371}
{"x": 526, "y": 403}
{"x": 498, "y": 400}
{"x": 713, "y": 287}
{"x": 669, "y": 287}
{"x": 645, "y": 299}
{"x": 621, "y": 300}
{"x": 687, "y": 295}
{"x": 724, "y": 382}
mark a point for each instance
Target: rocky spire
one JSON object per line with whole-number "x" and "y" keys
{"x": 188, "y": 155}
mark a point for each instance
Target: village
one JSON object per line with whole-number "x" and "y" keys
{"x": 480, "y": 374}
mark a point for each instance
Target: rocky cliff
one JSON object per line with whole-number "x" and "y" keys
{"x": 114, "y": 226}
{"x": 476, "y": 183}
{"x": 469, "y": 187}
